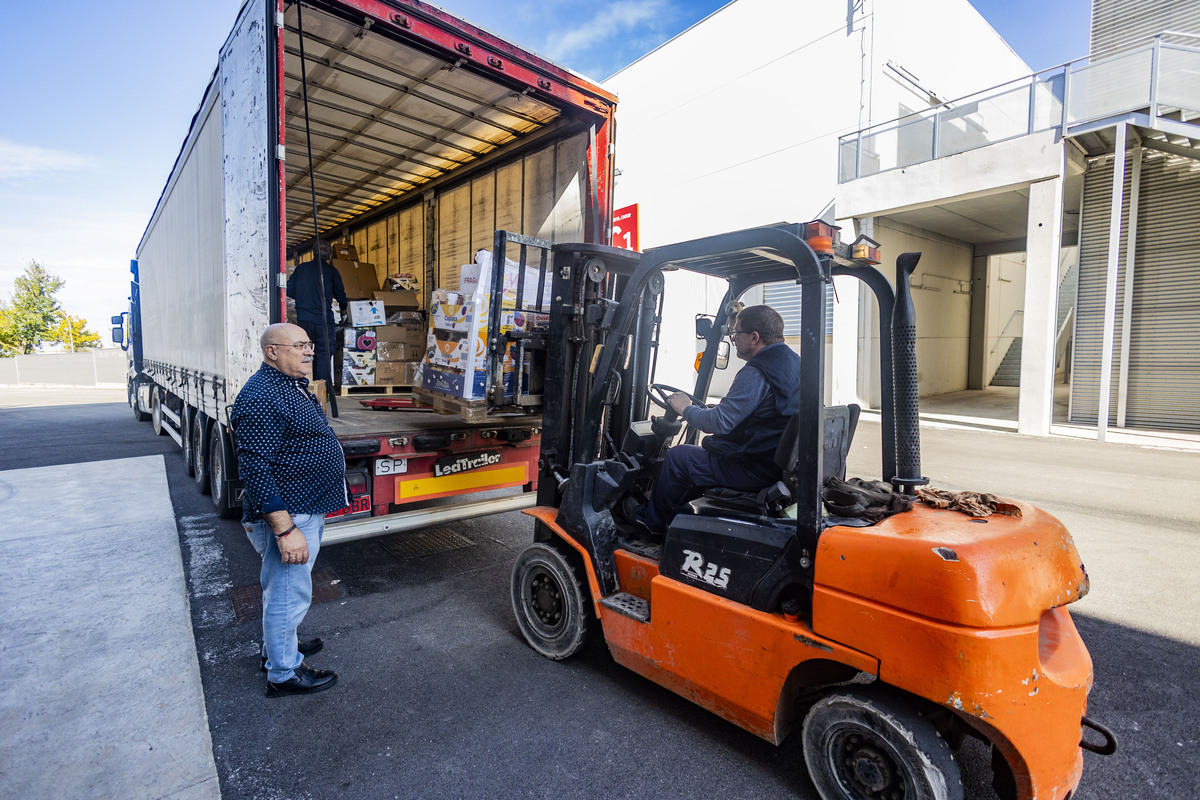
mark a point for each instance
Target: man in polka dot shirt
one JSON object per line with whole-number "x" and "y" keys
{"x": 294, "y": 472}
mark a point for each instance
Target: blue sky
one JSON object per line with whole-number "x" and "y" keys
{"x": 98, "y": 99}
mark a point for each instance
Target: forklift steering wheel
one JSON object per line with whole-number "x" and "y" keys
{"x": 658, "y": 393}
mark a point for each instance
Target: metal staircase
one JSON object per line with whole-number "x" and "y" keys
{"x": 1009, "y": 371}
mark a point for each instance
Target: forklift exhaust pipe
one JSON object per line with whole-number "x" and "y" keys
{"x": 904, "y": 372}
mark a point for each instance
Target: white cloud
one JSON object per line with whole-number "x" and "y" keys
{"x": 24, "y": 160}
{"x": 610, "y": 22}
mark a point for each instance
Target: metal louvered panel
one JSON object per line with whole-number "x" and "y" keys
{"x": 785, "y": 298}
{"x": 1164, "y": 347}
{"x": 1087, "y": 343}
{"x": 1117, "y": 24}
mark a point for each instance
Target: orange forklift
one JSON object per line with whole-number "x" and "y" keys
{"x": 886, "y": 643}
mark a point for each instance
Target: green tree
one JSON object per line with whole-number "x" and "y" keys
{"x": 27, "y": 320}
{"x": 73, "y": 334}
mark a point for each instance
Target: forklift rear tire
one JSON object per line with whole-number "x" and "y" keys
{"x": 549, "y": 602}
{"x": 866, "y": 744}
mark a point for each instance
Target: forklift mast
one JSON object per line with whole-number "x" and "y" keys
{"x": 603, "y": 344}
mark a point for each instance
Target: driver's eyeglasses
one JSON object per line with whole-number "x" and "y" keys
{"x": 734, "y": 333}
{"x": 301, "y": 345}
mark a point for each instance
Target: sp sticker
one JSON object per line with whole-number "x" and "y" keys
{"x": 711, "y": 573}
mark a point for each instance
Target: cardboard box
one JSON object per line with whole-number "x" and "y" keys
{"x": 358, "y": 368}
{"x": 398, "y": 299}
{"x": 399, "y": 351}
{"x": 456, "y": 356}
{"x": 366, "y": 313}
{"x": 455, "y": 311}
{"x": 345, "y": 251}
{"x": 318, "y": 390}
{"x": 360, "y": 338}
{"x": 358, "y": 278}
{"x": 476, "y": 278}
{"x": 395, "y": 373}
{"x": 406, "y": 334}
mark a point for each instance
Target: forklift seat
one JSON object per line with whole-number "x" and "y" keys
{"x": 837, "y": 433}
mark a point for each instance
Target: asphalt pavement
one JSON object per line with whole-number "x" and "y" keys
{"x": 439, "y": 696}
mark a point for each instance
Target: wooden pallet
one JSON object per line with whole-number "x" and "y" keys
{"x": 346, "y": 391}
{"x": 469, "y": 410}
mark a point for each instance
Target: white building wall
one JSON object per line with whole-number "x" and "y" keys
{"x": 734, "y": 123}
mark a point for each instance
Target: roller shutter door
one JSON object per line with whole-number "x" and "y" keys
{"x": 1164, "y": 346}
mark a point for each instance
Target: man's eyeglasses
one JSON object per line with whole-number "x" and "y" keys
{"x": 301, "y": 345}
{"x": 734, "y": 333}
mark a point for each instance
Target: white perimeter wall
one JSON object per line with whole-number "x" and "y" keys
{"x": 734, "y": 123}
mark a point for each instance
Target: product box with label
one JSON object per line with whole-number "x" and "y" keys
{"x": 366, "y": 313}
{"x": 456, "y": 356}
{"x": 358, "y": 368}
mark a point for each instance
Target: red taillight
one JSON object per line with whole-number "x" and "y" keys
{"x": 356, "y": 481}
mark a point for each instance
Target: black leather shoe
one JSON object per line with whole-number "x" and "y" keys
{"x": 306, "y": 680}
{"x": 306, "y": 648}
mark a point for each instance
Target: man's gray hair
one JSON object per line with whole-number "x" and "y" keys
{"x": 763, "y": 320}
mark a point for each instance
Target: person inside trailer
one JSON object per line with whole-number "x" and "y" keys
{"x": 304, "y": 286}
{"x": 745, "y": 426}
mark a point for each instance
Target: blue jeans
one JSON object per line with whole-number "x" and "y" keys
{"x": 287, "y": 592}
{"x": 688, "y": 470}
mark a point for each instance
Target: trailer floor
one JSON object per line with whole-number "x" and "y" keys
{"x": 355, "y": 419}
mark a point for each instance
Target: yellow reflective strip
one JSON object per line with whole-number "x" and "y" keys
{"x": 422, "y": 487}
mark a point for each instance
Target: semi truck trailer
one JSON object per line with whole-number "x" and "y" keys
{"x": 410, "y": 134}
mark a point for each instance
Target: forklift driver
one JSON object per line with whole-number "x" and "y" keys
{"x": 746, "y": 425}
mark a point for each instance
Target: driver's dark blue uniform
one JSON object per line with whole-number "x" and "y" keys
{"x": 745, "y": 426}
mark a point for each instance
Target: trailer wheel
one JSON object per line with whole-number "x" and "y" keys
{"x": 218, "y": 472}
{"x": 871, "y": 745}
{"x": 200, "y": 454}
{"x": 549, "y": 602}
{"x": 185, "y": 431}
{"x": 156, "y": 415}
{"x": 138, "y": 414}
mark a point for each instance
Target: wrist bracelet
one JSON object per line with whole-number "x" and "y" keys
{"x": 279, "y": 536}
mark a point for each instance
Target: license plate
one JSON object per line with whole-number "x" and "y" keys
{"x": 391, "y": 466}
{"x": 358, "y": 505}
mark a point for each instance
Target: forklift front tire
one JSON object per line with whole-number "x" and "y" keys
{"x": 866, "y": 744}
{"x": 549, "y": 602}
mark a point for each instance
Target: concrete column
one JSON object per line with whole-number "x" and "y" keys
{"x": 977, "y": 347}
{"x": 1043, "y": 242}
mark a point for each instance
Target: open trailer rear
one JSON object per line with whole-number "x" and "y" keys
{"x": 412, "y": 136}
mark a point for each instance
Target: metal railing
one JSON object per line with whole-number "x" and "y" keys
{"x": 1160, "y": 78}
{"x": 1004, "y": 332}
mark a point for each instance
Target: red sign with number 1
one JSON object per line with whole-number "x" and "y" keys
{"x": 625, "y": 227}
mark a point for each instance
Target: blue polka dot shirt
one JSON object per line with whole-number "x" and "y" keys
{"x": 288, "y": 456}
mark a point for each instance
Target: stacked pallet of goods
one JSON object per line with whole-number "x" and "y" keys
{"x": 455, "y": 362}
{"x": 385, "y": 341}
